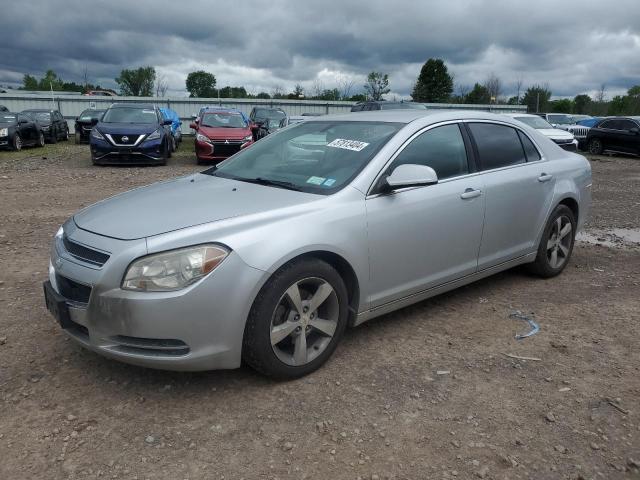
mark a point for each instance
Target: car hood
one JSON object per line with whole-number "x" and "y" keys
{"x": 127, "y": 128}
{"x": 181, "y": 203}
{"x": 556, "y": 133}
{"x": 225, "y": 133}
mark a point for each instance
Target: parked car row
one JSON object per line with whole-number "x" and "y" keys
{"x": 32, "y": 127}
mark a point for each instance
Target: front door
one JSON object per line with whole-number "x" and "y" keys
{"x": 426, "y": 236}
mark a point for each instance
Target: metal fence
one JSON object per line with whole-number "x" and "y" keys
{"x": 72, "y": 105}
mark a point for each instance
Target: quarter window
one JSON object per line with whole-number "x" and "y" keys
{"x": 498, "y": 145}
{"x": 626, "y": 125}
{"x": 441, "y": 148}
{"x": 529, "y": 148}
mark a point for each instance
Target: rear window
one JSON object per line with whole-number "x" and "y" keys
{"x": 498, "y": 145}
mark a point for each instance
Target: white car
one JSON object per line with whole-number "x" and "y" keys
{"x": 564, "y": 139}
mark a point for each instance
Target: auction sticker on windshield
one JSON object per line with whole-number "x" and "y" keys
{"x": 353, "y": 145}
{"x": 316, "y": 180}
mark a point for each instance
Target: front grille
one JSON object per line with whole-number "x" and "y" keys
{"x": 222, "y": 149}
{"x": 125, "y": 139}
{"x": 74, "y": 291}
{"x": 580, "y": 132}
{"x": 150, "y": 346}
{"x": 83, "y": 253}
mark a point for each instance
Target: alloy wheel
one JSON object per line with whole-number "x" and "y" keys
{"x": 17, "y": 143}
{"x": 559, "y": 242}
{"x": 41, "y": 140}
{"x": 595, "y": 147}
{"x": 304, "y": 321}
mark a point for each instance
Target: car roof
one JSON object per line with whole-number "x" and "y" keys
{"x": 146, "y": 106}
{"x": 408, "y": 116}
{"x": 516, "y": 114}
{"x": 38, "y": 110}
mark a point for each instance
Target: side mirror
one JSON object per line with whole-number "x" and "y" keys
{"x": 167, "y": 122}
{"x": 634, "y": 130}
{"x": 193, "y": 125}
{"x": 94, "y": 121}
{"x": 411, "y": 175}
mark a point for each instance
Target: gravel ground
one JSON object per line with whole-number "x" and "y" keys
{"x": 425, "y": 392}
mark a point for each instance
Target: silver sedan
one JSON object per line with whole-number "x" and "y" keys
{"x": 270, "y": 255}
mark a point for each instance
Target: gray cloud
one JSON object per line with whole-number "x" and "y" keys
{"x": 573, "y": 46}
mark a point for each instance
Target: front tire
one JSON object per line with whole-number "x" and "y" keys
{"x": 556, "y": 244}
{"x": 297, "y": 320}
{"x": 77, "y": 138}
{"x": 17, "y": 143}
{"x": 41, "y": 141}
{"x": 595, "y": 146}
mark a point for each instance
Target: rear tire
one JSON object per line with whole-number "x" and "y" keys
{"x": 556, "y": 244}
{"x": 273, "y": 342}
{"x": 595, "y": 146}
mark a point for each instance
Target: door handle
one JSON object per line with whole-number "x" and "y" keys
{"x": 470, "y": 193}
{"x": 544, "y": 177}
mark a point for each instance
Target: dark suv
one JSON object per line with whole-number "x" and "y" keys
{"x": 260, "y": 115}
{"x": 131, "y": 134}
{"x": 53, "y": 124}
{"x": 618, "y": 134}
{"x": 382, "y": 105}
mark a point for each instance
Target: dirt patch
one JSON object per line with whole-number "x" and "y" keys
{"x": 425, "y": 392}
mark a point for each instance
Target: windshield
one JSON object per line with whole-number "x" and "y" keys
{"x": 40, "y": 116}
{"x": 535, "y": 122}
{"x": 560, "y": 119}
{"x": 7, "y": 118}
{"x": 270, "y": 115}
{"x": 224, "y": 120}
{"x": 315, "y": 157}
{"x": 89, "y": 115}
{"x": 130, "y": 115}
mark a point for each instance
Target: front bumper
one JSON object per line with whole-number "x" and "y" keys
{"x": 149, "y": 152}
{"x": 216, "y": 151}
{"x": 569, "y": 146}
{"x": 197, "y": 328}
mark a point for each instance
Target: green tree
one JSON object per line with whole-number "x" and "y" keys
{"x": 513, "y": 100}
{"x": 358, "y": 97}
{"x": 479, "y": 95}
{"x": 263, "y": 96}
{"x": 563, "y": 105}
{"x": 619, "y": 105}
{"x": 50, "y": 81}
{"x": 581, "y": 104}
{"x": 233, "y": 92}
{"x": 29, "y": 82}
{"x": 434, "y": 83}
{"x": 536, "y": 98}
{"x": 137, "y": 82}
{"x": 298, "y": 92}
{"x": 201, "y": 84}
{"x": 377, "y": 85}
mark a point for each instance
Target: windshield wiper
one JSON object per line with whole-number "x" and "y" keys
{"x": 272, "y": 183}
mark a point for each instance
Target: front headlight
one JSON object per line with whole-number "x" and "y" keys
{"x": 154, "y": 136}
{"x": 173, "y": 270}
{"x": 202, "y": 138}
{"x": 4, "y": 132}
{"x": 46, "y": 128}
{"x": 60, "y": 232}
{"x": 248, "y": 138}
{"x": 96, "y": 134}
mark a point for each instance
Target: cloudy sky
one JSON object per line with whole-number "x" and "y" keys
{"x": 573, "y": 46}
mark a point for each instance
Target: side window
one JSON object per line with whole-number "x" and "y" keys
{"x": 498, "y": 145}
{"x": 530, "y": 149}
{"x": 441, "y": 148}
{"x": 626, "y": 125}
{"x": 608, "y": 124}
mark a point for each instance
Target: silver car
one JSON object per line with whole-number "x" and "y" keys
{"x": 270, "y": 255}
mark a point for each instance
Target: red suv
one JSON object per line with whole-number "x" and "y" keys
{"x": 220, "y": 133}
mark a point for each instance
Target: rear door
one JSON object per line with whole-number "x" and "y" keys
{"x": 519, "y": 190}
{"x": 629, "y": 140}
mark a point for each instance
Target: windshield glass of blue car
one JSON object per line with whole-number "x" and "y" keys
{"x": 535, "y": 122}
{"x": 313, "y": 157}
{"x": 223, "y": 120}
{"x": 130, "y": 115}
